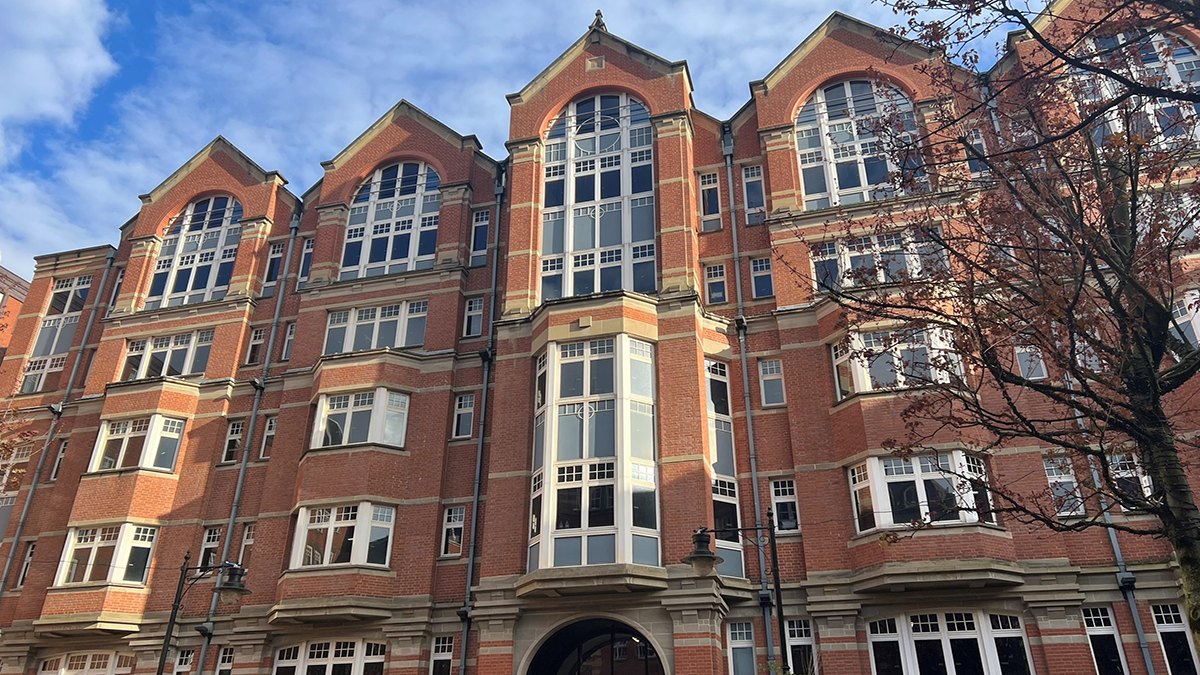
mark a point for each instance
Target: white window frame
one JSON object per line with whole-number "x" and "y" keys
{"x": 376, "y": 215}
{"x": 1169, "y": 618}
{"x": 123, "y": 537}
{"x": 473, "y": 317}
{"x": 1064, "y": 487}
{"x": 753, "y": 175}
{"x": 480, "y": 225}
{"x": 233, "y": 440}
{"x": 875, "y": 474}
{"x": 1030, "y": 364}
{"x": 454, "y": 519}
{"x": 575, "y": 152}
{"x": 116, "y": 293}
{"x": 210, "y": 547}
{"x": 196, "y": 348}
{"x": 386, "y": 406}
{"x": 821, "y": 141}
{"x": 1128, "y": 466}
{"x": 835, "y": 263}
{"x": 289, "y": 337}
{"x": 88, "y": 663}
{"x": 759, "y": 268}
{"x": 310, "y": 244}
{"x": 68, "y": 299}
{"x": 326, "y": 653}
{"x": 273, "y": 270}
{"x": 254, "y": 350}
{"x": 363, "y": 516}
{"x": 739, "y": 637}
{"x": 852, "y": 370}
{"x": 800, "y": 634}
{"x": 270, "y": 426}
{"x": 58, "y": 460}
{"x": 770, "y": 370}
{"x": 225, "y": 661}
{"x": 464, "y": 415}
{"x": 724, "y": 482}
{"x": 210, "y": 242}
{"x": 247, "y": 545}
{"x": 710, "y": 185}
{"x": 157, "y": 427}
{"x": 1098, "y": 620}
{"x": 442, "y": 650}
{"x": 183, "y": 661}
{"x": 713, "y": 275}
{"x": 26, "y": 562}
{"x": 944, "y": 625}
{"x": 409, "y": 318}
{"x": 783, "y": 491}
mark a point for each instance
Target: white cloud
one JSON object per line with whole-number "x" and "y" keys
{"x": 293, "y": 82}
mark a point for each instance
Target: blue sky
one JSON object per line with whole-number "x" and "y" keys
{"x": 104, "y": 100}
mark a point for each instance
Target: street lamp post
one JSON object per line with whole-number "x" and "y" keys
{"x": 704, "y": 561}
{"x": 229, "y": 588}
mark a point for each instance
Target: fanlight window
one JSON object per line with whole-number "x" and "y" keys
{"x": 1162, "y": 60}
{"x": 844, "y": 159}
{"x": 598, "y": 229}
{"x": 393, "y": 222}
{"x": 196, "y": 260}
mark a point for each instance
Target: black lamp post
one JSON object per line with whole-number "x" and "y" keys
{"x": 229, "y": 588}
{"x": 704, "y": 561}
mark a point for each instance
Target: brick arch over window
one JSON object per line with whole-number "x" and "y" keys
{"x": 598, "y": 224}
{"x": 393, "y": 221}
{"x": 199, "y": 246}
{"x": 844, "y": 159}
{"x": 563, "y": 105}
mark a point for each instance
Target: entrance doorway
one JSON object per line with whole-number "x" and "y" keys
{"x": 596, "y": 647}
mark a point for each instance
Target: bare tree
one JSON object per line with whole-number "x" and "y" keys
{"x": 1039, "y": 295}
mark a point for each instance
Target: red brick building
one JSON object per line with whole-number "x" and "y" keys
{"x": 564, "y": 363}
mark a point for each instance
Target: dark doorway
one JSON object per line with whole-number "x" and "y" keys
{"x": 596, "y": 647}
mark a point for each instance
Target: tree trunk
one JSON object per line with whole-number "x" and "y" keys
{"x": 1189, "y": 568}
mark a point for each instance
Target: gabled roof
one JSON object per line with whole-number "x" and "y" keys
{"x": 598, "y": 34}
{"x": 835, "y": 21}
{"x": 405, "y": 109}
{"x": 217, "y": 144}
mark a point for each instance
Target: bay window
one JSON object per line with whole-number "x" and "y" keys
{"x": 594, "y": 466}
{"x": 877, "y": 259}
{"x": 895, "y": 491}
{"x": 724, "y": 468}
{"x": 598, "y": 223}
{"x": 378, "y": 416}
{"x": 332, "y": 657}
{"x": 150, "y": 443}
{"x": 398, "y": 325}
{"x": 170, "y": 356}
{"x": 325, "y": 535}
{"x": 118, "y": 553}
{"x": 56, "y": 334}
{"x": 843, "y": 157}
{"x": 926, "y": 642}
{"x": 195, "y": 263}
{"x": 889, "y": 360}
{"x": 393, "y": 222}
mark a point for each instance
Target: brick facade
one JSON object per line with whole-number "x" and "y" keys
{"x": 395, "y": 609}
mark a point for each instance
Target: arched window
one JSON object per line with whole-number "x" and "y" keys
{"x": 1164, "y": 60}
{"x": 842, "y": 156}
{"x": 196, "y": 260}
{"x": 598, "y": 210}
{"x": 393, "y": 222}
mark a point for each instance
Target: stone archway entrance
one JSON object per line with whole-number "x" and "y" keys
{"x": 596, "y": 647}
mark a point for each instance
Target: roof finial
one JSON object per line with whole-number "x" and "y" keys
{"x": 599, "y": 22}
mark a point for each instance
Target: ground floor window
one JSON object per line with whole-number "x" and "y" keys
{"x": 88, "y": 663}
{"x": 949, "y": 643}
{"x": 802, "y": 658}
{"x": 1105, "y": 641}
{"x": 332, "y": 657}
{"x": 1176, "y": 639}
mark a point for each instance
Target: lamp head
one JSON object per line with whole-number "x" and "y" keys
{"x": 231, "y": 588}
{"x": 702, "y": 559}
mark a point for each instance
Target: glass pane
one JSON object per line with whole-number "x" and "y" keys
{"x": 314, "y": 546}
{"x": 570, "y": 509}
{"x": 642, "y": 178}
{"x": 377, "y": 548}
{"x": 571, "y": 379}
{"x": 584, "y": 230}
{"x": 641, "y": 431}
{"x": 847, "y": 175}
{"x": 343, "y": 544}
{"x": 718, "y": 396}
{"x": 570, "y": 435}
{"x": 601, "y": 377}
{"x": 644, "y": 277}
{"x": 554, "y": 193}
{"x": 360, "y": 426}
{"x": 335, "y": 426}
{"x": 802, "y": 660}
{"x": 644, "y": 508}
{"x": 585, "y": 188}
{"x": 967, "y": 660}
{"x": 610, "y": 184}
{"x": 725, "y": 518}
{"x": 1107, "y": 655}
{"x": 602, "y": 549}
{"x": 600, "y": 506}
{"x": 102, "y": 563}
{"x": 1179, "y": 656}
{"x": 585, "y": 282}
{"x": 905, "y": 506}
{"x": 568, "y": 551}
{"x": 168, "y": 449}
{"x": 743, "y": 661}
{"x": 724, "y": 463}
{"x": 943, "y": 504}
{"x": 610, "y": 278}
{"x": 602, "y": 430}
{"x": 335, "y": 340}
{"x": 883, "y": 370}
{"x": 641, "y": 378}
{"x": 610, "y": 227}
{"x": 1011, "y": 653}
{"x": 642, "y": 222}
{"x": 931, "y": 660}
{"x": 772, "y": 392}
{"x": 139, "y": 560}
{"x": 877, "y": 170}
{"x": 645, "y": 550}
{"x": 414, "y": 335}
{"x": 814, "y": 180}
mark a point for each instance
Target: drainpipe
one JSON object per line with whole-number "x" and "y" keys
{"x": 764, "y": 594}
{"x": 1125, "y": 579}
{"x": 464, "y": 612}
{"x": 56, "y": 409}
{"x": 259, "y": 385}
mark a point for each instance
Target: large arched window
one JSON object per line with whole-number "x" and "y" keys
{"x": 393, "y": 222}
{"x": 843, "y": 159}
{"x": 1164, "y": 60}
{"x": 196, "y": 260}
{"x": 598, "y": 210}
